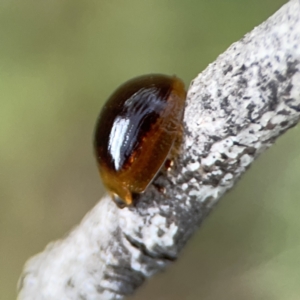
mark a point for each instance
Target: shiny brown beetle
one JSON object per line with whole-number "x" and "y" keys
{"x": 135, "y": 132}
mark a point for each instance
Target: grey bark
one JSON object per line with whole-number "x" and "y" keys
{"x": 235, "y": 110}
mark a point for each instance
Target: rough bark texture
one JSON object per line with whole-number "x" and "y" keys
{"x": 235, "y": 110}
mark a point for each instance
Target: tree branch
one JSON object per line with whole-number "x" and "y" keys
{"x": 235, "y": 110}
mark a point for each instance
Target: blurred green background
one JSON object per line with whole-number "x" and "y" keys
{"x": 59, "y": 60}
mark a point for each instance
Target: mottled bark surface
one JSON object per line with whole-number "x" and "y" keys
{"x": 236, "y": 109}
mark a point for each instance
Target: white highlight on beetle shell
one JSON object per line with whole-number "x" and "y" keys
{"x": 117, "y": 138}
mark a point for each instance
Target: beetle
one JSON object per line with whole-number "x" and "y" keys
{"x": 135, "y": 132}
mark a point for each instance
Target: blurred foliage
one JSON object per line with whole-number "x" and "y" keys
{"x": 59, "y": 60}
